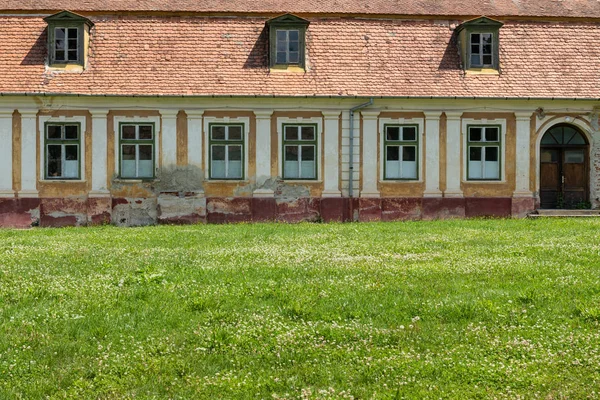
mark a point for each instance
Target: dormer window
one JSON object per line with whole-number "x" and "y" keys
{"x": 479, "y": 45}
{"x": 287, "y": 42}
{"x": 68, "y": 37}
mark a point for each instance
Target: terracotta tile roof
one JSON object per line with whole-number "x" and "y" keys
{"x": 135, "y": 55}
{"x": 562, "y": 8}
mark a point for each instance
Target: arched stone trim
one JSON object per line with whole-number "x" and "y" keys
{"x": 585, "y": 127}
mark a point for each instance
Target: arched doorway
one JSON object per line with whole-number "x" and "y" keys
{"x": 564, "y": 168}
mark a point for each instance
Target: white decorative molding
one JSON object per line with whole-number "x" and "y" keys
{"x": 300, "y": 120}
{"x": 453, "y": 161}
{"x": 331, "y": 150}
{"x": 432, "y": 159}
{"x": 245, "y": 121}
{"x": 523, "y": 158}
{"x": 369, "y": 157}
{"x": 6, "y": 153}
{"x": 263, "y": 152}
{"x": 169, "y": 137}
{"x": 194, "y": 142}
{"x": 472, "y": 121}
{"x": 119, "y": 119}
{"x": 28, "y": 153}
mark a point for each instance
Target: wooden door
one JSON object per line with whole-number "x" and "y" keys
{"x": 574, "y": 186}
{"x": 550, "y": 178}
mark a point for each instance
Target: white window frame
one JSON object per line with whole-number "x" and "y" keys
{"x": 66, "y": 49}
{"x": 420, "y": 123}
{"x": 43, "y": 120}
{"x": 481, "y": 53}
{"x": 117, "y": 121}
{"x": 245, "y": 121}
{"x": 465, "y": 159}
{"x": 318, "y": 121}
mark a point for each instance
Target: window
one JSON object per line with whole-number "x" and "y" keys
{"x": 483, "y": 149}
{"x": 137, "y": 150}
{"x": 400, "y": 146}
{"x": 62, "y": 144}
{"x": 288, "y": 45}
{"x": 481, "y": 50}
{"x": 299, "y": 152}
{"x": 479, "y": 44}
{"x": 66, "y": 34}
{"x": 287, "y": 41}
{"x": 226, "y": 151}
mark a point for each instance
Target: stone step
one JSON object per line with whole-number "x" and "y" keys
{"x": 564, "y": 213}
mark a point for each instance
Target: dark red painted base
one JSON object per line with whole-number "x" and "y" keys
{"x": 57, "y": 212}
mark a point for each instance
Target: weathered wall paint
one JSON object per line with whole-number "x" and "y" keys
{"x": 16, "y": 151}
{"x": 182, "y": 139}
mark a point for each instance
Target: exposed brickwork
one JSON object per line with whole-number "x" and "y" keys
{"x": 140, "y": 55}
{"x": 565, "y": 8}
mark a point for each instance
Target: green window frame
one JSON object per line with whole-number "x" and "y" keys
{"x": 300, "y": 152}
{"x": 401, "y": 152}
{"x": 484, "y": 152}
{"x": 66, "y": 43}
{"x": 226, "y": 151}
{"x": 62, "y": 149}
{"x": 137, "y": 150}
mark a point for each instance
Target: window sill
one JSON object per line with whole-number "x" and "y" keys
{"x": 287, "y": 68}
{"x": 482, "y": 71}
{"x": 400, "y": 181}
{"x": 66, "y": 67}
{"x": 302, "y": 181}
{"x": 63, "y": 181}
{"x": 485, "y": 181}
{"x": 226, "y": 181}
{"x": 135, "y": 180}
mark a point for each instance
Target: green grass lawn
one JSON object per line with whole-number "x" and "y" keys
{"x": 449, "y": 309}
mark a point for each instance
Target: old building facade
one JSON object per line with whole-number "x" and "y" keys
{"x": 172, "y": 113}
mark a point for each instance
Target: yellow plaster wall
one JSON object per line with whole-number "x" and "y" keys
{"x": 16, "y": 151}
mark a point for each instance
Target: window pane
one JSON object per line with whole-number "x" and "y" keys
{"x": 409, "y": 169}
{"x": 393, "y": 133}
{"x": 291, "y": 133}
{"x": 409, "y": 153}
{"x": 487, "y": 60}
{"x": 574, "y": 157}
{"x": 548, "y": 139}
{"x": 475, "y": 59}
{"x": 72, "y": 43}
{"x": 291, "y": 153}
{"x": 392, "y": 169}
{"x": 281, "y": 35}
{"x": 486, "y": 38}
{"x": 475, "y": 49}
{"x": 475, "y": 154}
{"x": 54, "y": 132}
{"x": 548, "y": 156}
{"x": 475, "y": 170}
{"x": 218, "y": 133}
{"x": 60, "y": 55}
{"x": 54, "y": 161}
{"x": 491, "y": 154}
{"x": 218, "y": 153}
{"x": 71, "y": 169}
{"x": 145, "y": 168}
{"x": 492, "y": 170}
{"x": 128, "y": 163}
{"x": 128, "y": 152}
{"x": 294, "y": 47}
{"x": 409, "y": 134}
{"x": 308, "y": 153}
{"x": 72, "y": 33}
{"x": 487, "y": 49}
{"x": 475, "y": 37}
{"x": 308, "y": 133}
{"x": 475, "y": 134}
{"x": 60, "y": 44}
{"x": 145, "y": 132}
{"x": 59, "y": 33}
{"x": 491, "y": 135}
{"x": 577, "y": 139}
{"x": 145, "y": 151}
{"x": 235, "y": 153}
{"x": 71, "y": 132}
{"x": 281, "y": 57}
{"x": 393, "y": 153}
{"x": 293, "y": 57}
{"x": 235, "y": 133}
{"x": 294, "y": 35}
{"x": 217, "y": 169}
{"x": 307, "y": 169}
{"x": 282, "y": 46}
{"x": 128, "y": 132}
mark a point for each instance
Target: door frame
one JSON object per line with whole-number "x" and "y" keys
{"x": 580, "y": 124}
